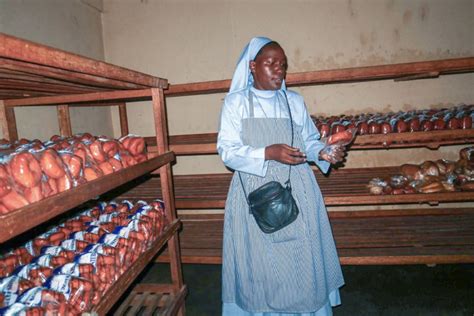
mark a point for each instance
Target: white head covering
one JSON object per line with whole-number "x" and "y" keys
{"x": 242, "y": 77}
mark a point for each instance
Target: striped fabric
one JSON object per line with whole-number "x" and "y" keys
{"x": 232, "y": 309}
{"x": 293, "y": 270}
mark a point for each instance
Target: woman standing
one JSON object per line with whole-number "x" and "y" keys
{"x": 294, "y": 270}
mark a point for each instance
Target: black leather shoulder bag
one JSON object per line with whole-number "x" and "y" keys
{"x": 272, "y": 205}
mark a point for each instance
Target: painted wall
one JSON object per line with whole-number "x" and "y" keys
{"x": 188, "y": 41}
{"x": 72, "y": 25}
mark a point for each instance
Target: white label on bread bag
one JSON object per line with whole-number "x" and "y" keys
{"x": 44, "y": 236}
{"x": 69, "y": 244}
{"x": 110, "y": 239}
{"x": 16, "y": 309}
{"x": 93, "y": 224}
{"x": 24, "y": 271}
{"x": 29, "y": 247}
{"x": 105, "y": 218}
{"x": 129, "y": 204}
{"x": 9, "y": 284}
{"x": 93, "y": 229}
{"x": 52, "y": 230}
{"x": 70, "y": 268}
{"x": 133, "y": 225}
{"x": 90, "y": 257}
{"x": 60, "y": 283}
{"x": 10, "y": 298}
{"x": 44, "y": 260}
{"x": 142, "y": 211}
{"x": 31, "y": 297}
{"x": 51, "y": 250}
{"x": 78, "y": 235}
{"x": 122, "y": 231}
{"x": 95, "y": 248}
{"x": 113, "y": 203}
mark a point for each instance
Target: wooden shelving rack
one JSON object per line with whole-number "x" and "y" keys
{"x": 417, "y": 235}
{"x": 36, "y": 75}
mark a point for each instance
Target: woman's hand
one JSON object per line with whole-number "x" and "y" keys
{"x": 284, "y": 154}
{"x": 333, "y": 153}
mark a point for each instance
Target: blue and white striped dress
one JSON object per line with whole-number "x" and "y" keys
{"x": 295, "y": 270}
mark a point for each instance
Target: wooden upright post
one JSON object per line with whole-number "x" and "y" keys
{"x": 166, "y": 178}
{"x": 64, "y": 120}
{"x": 7, "y": 117}
{"x": 123, "y": 119}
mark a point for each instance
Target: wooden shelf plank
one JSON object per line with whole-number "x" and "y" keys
{"x": 341, "y": 187}
{"x": 431, "y": 139}
{"x": 205, "y": 143}
{"x": 70, "y": 99}
{"x": 152, "y": 302}
{"x": 39, "y": 73}
{"x": 392, "y": 256}
{"x": 429, "y": 198}
{"x": 20, "y": 220}
{"x": 117, "y": 289}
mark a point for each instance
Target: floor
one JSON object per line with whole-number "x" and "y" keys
{"x": 369, "y": 290}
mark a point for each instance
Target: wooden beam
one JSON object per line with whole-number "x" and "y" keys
{"x": 43, "y": 79}
{"x": 153, "y": 287}
{"x": 78, "y": 98}
{"x": 6, "y": 94}
{"x": 8, "y": 120}
{"x": 64, "y": 118}
{"x": 19, "y": 49}
{"x": 64, "y": 75}
{"x": 54, "y": 88}
{"x": 394, "y": 71}
{"x": 166, "y": 181}
{"x": 123, "y": 119}
{"x": 344, "y": 260}
{"x": 198, "y": 88}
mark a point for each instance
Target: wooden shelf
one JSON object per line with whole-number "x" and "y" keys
{"x": 20, "y": 220}
{"x": 195, "y": 144}
{"x": 431, "y": 139}
{"x": 419, "y": 236}
{"x": 341, "y": 187}
{"x": 152, "y": 299}
{"x": 404, "y": 236}
{"x": 32, "y": 74}
{"x": 119, "y": 287}
{"x": 358, "y": 256}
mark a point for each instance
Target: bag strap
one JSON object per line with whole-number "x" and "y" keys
{"x": 287, "y": 183}
{"x": 292, "y": 135}
{"x": 243, "y": 188}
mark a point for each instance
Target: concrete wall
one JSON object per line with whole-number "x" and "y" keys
{"x": 71, "y": 25}
{"x": 188, "y": 41}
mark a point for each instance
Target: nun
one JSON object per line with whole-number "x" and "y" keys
{"x": 265, "y": 134}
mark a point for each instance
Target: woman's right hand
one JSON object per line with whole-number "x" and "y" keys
{"x": 333, "y": 153}
{"x": 284, "y": 154}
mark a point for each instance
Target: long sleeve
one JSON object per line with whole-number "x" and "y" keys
{"x": 232, "y": 151}
{"x": 313, "y": 145}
